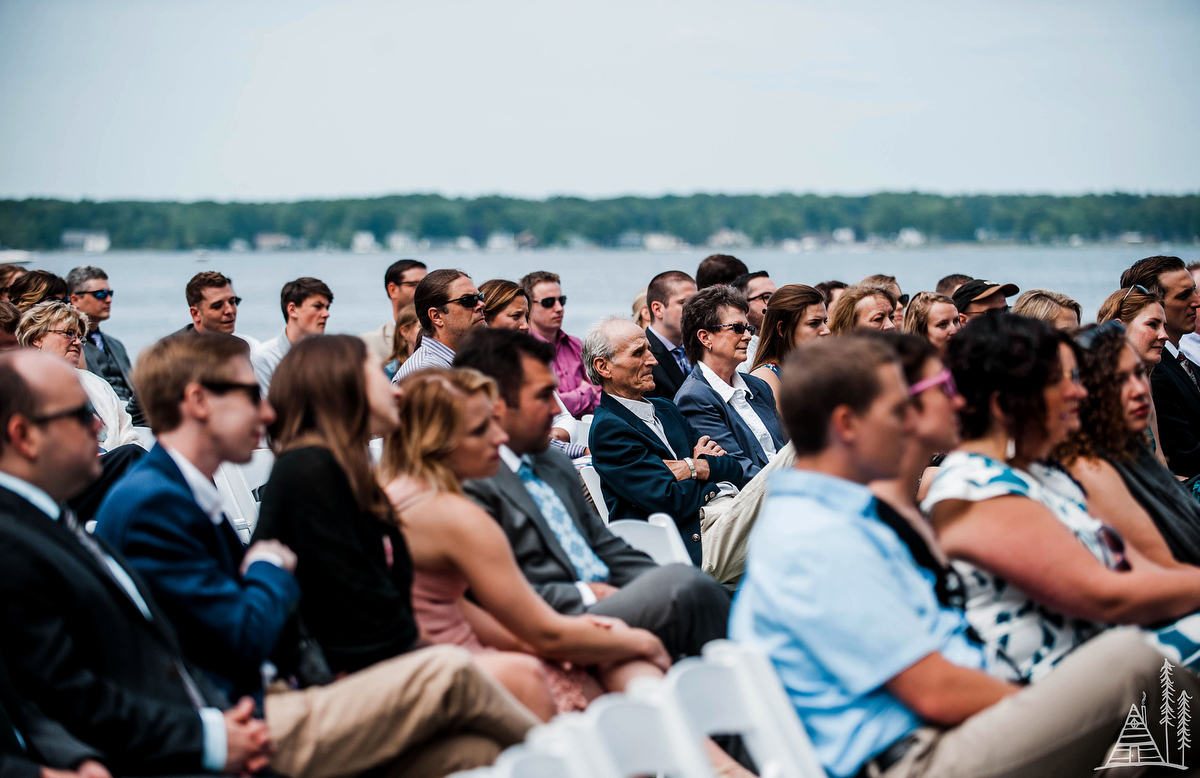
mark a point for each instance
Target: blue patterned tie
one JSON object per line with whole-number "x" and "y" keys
{"x": 588, "y": 566}
{"x": 682, "y": 360}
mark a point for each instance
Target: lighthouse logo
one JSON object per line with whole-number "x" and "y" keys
{"x": 1137, "y": 744}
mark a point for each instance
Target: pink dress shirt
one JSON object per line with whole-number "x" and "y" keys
{"x": 577, "y": 394}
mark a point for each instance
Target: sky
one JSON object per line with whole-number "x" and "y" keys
{"x": 258, "y": 100}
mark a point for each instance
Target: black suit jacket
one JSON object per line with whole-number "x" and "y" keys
{"x": 46, "y": 742}
{"x": 535, "y": 545}
{"x": 80, "y": 649}
{"x": 1177, "y": 403}
{"x": 667, "y": 375}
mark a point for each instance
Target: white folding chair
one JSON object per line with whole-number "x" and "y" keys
{"x": 521, "y": 761}
{"x": 375, "y": 450}
{"x": 147, "y": 437}
{"x": 582, "y": 428}
{"x": 239, "y": 487}
{"x": 657, "y": 536}
{"x": 734, "y": 689}
{"x": 643, "y": 737}
{"x": 591, "y": 481}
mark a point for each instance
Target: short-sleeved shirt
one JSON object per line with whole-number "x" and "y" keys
{"x": 835, "y": 599}
{"x": 1034, "y": 638}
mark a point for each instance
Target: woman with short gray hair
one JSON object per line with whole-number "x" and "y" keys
{"x": 737, "y": 411}
{"x": 58, "y": 328}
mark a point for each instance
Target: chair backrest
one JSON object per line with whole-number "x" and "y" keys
{"x": 147, "y": 437}
{"x": 591, "y": 481}
{"x": 375, "y": 450}
{"x": 657, "y": 536}
{"x": 643, "y": 737}
{"x": 523, "y": 762}
{"x": 734, "y": 689}
{"x": 237, "y": 500}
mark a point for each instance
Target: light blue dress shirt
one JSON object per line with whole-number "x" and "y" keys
{"x": 837, "y": 602}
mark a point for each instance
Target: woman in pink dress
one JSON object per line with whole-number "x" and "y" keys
{"x": 448, "y": 433}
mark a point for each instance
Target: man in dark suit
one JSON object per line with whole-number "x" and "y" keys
{"x": 84, "y": 639}
{"x": 231, "y": 604}
{"x": 1174, "y": 383}
{"x": 105, "y": 356}
{"x": 648, "y": 456}
{"x": 665, "y": 297}
{"x": 561, "y": 544}
{"x": 29, "y": 740}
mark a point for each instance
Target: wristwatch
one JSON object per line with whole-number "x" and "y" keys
{"x": 691, "y": 466}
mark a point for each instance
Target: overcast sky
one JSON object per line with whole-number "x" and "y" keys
{"x": 287, "y": 99}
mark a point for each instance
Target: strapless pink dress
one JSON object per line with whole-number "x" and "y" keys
{"x": 435, "y": 602}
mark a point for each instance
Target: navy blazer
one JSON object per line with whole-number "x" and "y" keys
{"x": 227, "y": 624}
{"x": 628, "y": 457}
{"x": 712, "y": 416}
{"x": 1177, "y": 403}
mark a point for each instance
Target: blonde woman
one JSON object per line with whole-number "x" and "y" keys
{"x": 1054, "y": 308}
{"x": 871, "y": 307}
{"x": 58, "y": 328}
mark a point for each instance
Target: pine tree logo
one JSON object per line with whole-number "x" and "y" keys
{"x": 1136, "y": 745}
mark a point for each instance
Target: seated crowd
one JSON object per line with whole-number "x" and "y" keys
{"x": 967, "y": 537}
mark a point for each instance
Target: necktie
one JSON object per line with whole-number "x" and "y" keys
{"x": 1186, "y": 364}
{"x": 682, "y": 360}
{"x": 130, "y": 588}
{"x": 588, "y": 566}
{"x": 97, "y": 341}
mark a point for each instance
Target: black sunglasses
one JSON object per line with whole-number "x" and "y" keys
{"x": 1087, "y": 339}
{"x": 254, "y": 391}
{"x": 100, "y": 294}
{"x": 467, "y": 300}
{"x": 548, "y": 302}
{"x": 64, "y": 299}
{"x": 738, "y": 328}
{"x": 82, "y": 414}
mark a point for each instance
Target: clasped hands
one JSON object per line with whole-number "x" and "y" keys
{"x": 704, "y": 447}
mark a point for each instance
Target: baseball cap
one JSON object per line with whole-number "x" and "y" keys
{"x": 978, "y": 289}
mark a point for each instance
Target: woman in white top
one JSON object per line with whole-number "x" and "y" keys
{"x": 736, "y": 411}
{"x": 58, "y": 328}
{"x": 1042, "y": 575}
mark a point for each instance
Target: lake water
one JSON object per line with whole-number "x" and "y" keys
{"x": 149, "y": 300}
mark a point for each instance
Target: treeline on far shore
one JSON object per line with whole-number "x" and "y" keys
{"x": 39, "y": 224}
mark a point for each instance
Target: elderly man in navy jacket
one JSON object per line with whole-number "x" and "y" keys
{"x": 648, "y": 456}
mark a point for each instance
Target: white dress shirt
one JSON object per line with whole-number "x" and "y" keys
{"x": 736, "y": 397}
{"x": 267, "y": 357}
{"x": 644, "y": 410}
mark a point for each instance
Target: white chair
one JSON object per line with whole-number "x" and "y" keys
{"x": 734, "y": 689}
{"x": 657, "y": 536}
{"x": 591, "y": 481}
{"x": 582, "y": 428}
{"x": 147, "y": 437}
{"x": 375, "y": 450}
{"x": 523, "y": 762}
{"x": 239, "y": 487}
{"x": 644, "y": 737}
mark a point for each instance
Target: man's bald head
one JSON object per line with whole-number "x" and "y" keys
{"x": 42, "y": 438}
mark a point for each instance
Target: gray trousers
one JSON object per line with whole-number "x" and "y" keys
{"x": 681, "y": 605}
{"x": 1064, "y": 725}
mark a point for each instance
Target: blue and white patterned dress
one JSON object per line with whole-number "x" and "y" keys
{"x": 1010, "y": 622}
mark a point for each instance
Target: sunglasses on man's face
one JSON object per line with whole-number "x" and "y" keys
{"x": 548, "y": 302}
{"x": 468, "y": 300}
{"x": 82, "y": 414}
{"x": 738, "y": 328}
{"x": 101, "y": 294}
{"x": 253, "y": 391}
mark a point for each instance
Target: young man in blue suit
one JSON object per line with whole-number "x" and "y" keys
{"x": 649, "y": 457}
{"x": 230, "y": 604}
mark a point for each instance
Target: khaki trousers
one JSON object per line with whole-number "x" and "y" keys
{"x": 423, "y": 714}
{"x": 1064, "y": 725}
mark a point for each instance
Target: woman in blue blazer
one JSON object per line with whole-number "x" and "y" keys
{"x": 736, "y": 411}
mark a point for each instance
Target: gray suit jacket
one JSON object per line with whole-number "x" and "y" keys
{"x": 115, "y": 348}
{"x": 534, "y": 544}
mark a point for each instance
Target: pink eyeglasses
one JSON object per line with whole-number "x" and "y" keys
{"x": 943, "y": 379}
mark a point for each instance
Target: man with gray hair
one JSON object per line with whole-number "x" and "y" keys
{"x": 648, "y": 456}
{"x": 105, "y": 355}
